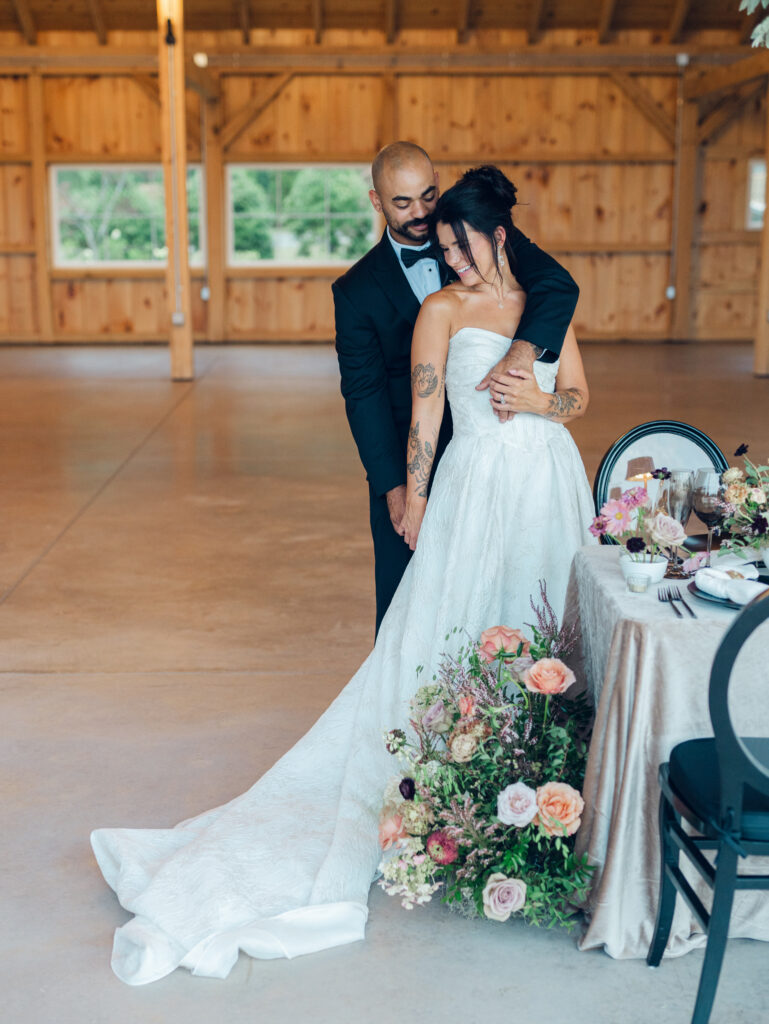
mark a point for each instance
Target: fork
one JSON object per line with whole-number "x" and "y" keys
{"x": 675, "y": 595}
{"x": 664, "y": 594}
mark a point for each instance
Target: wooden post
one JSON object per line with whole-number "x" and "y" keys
{"x": 761, "y": 344}
{"x": 215, "y": 221}
{"x": 688, "y": 180}
{"x": 174, "y": 126}
{"x": 36, "y": 113}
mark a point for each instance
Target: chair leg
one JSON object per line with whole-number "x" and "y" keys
{"x": 718, "y": 930}
{"x": 666, "y": 903}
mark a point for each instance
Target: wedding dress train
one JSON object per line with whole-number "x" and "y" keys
{"x": 285, "y": 868}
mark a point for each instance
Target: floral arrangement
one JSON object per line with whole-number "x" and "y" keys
{"x": 488, "y": 799}
{"x": 631, "y": 521}
{"x": 746, "y": 504}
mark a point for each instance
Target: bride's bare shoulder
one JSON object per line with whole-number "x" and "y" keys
{"x": 446, "y": 301}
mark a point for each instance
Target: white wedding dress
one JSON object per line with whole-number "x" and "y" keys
{"x": 285, "y": 868}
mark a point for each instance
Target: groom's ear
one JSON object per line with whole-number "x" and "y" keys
{"x": 376, "y": 202}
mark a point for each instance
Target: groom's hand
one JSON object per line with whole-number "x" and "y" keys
{"x": 520, "y": 356}
{"x": 396, "y": 505}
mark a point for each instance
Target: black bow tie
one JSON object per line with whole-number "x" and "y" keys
{"x": 411, "y": 256}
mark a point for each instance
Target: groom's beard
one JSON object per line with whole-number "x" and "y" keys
{"x": 407, "y": 230}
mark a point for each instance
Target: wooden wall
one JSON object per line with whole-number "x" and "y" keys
{"x": 595, "y": 178}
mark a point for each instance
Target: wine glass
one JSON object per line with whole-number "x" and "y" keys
{"x": 675, "y": 500}
{"x": 707, "y": 500}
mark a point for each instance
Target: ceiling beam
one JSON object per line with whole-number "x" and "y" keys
{"x": 96, "y": 11}
{"x": 201, "y": 81}
{"x": 391, "y": 20}
{"x": 25, "y": 20}
{"x": 704, "y": 83}
{"x": 244, "y": 18}
{"x": 464, "y": 20}
{"x": 726, "y": 110}
{"x": 317, "y": 19}
{"x": 678, "y": 19}
{"x": 536, "y": 19}
{"x": 646, "y": 103}
{"x": 605, "y": 19}
{"x": 247, "y": 114}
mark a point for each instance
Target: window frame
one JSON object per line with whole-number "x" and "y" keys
{"x": 57, "y": 260}
{"x": 753, "y": 163}
{"x": 301, "y": 263}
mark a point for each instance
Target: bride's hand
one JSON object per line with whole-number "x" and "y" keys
{"x": 412, "y": 521}
{"x": 519, "y": 389}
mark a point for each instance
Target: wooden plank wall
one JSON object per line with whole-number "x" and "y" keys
{"x": 595, "y": 180}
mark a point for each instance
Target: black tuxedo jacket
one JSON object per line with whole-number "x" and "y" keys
{"x": 376, "y": 310}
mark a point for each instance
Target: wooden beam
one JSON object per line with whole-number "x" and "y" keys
{"x": 40, "y": 194}
{"x": 646, "y": 103}
{"x": 215, "y": 223}
{"x": 388, "y": 114}
{"x": 201, "y": 81}
{"x": 317, "y": 19}
{"x": 464, "y": 20}
{"x": 687, "y": 193}
{"x": 150, "y": 86}
{"x": 678, "y": 19}
{"x": 726, "y": 110}
{"x": 605, "y": 19}
{"x": 96, "y": 11}
{"x": 244, "y": 17}
{"x": 25, "y": 20}
{"x": 704, "y": 83}
{"x": 173, "y": 117}
{"x": 239, "y": 121}
{"x": 761, "y": 339}
{"x": 536, "y": 18}
{"x": 391, "y": 20}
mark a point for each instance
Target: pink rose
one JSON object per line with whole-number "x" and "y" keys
{"x": 391, "y": 830}
{"x": 437, "y": 718}
{"x": 466, "y": 706}
{"x": 559, "y": 808}
{"x": 617, "y": 516}
{"x": 666, "y": 531}
{"x": 517, "y": 805}
{"x": 501, "y": 638}
{"x": 692, "y": 564}
{"x": 503, "y": 896}
{"x": 548, "y": 676}
{"x": 441, "y": 847}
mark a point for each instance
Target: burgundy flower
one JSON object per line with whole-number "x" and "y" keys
{"x": 407, "y": 789}
{"x": 661, "y": 474}
{"x": 635, "y": 545}
{"x": 760, "y": 525}
{"x": 442, "y": 848}
{"x": 742, "y": 450}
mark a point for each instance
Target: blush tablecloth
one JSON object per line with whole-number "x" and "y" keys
{"x": 648, "y": 672}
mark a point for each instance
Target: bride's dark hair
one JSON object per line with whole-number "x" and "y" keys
{"x": 482, "y": 198}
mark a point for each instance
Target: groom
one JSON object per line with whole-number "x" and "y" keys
{"x": 376, "y": 305}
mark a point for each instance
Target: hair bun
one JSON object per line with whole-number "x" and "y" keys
{"x": 492, "y": 178}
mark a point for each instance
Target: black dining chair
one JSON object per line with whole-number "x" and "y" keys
{"x": 720, "y": 786}
{"x": 631, "y": 458}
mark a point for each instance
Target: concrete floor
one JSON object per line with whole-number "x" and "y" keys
{"x": 185, "y": 583}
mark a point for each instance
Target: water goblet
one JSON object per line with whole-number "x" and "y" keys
{"x": 675, "y": 500}
{"x": 707, "y": 501}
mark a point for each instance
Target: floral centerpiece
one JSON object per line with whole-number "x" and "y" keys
{"x": 746, "y": 506}
{"x": 647, "y": 535}
{"x": 488, "y": 798}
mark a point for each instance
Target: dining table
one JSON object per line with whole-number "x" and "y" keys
{"x": 647, "y": 673}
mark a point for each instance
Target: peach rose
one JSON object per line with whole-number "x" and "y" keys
{"x": 548, "y": 676}
{"x": 462, "y": 747}
{"x": 503, "y": 896}
{"x": 391, "y": 830}
{"x": 466, "y": 706}
{"x": 736, "y": 493}
{"x": 560, "y": 808}
{"x": 501, "y": 638}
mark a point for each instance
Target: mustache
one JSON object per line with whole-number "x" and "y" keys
{"x": 416, "y": 223}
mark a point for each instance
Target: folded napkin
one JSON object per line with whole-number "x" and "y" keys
{"x": 728, "y": 560}
{"x": 739, "y": 587}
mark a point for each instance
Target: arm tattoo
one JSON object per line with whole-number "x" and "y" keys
{"x": 419, "y": 460}
{"x": 564, "y": 403}
{"x": 424, "y": 379}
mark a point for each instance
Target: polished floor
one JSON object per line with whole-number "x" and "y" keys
{"x": 185, "y": 582}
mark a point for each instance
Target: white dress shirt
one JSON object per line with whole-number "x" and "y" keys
{"x": 424, "y": 276}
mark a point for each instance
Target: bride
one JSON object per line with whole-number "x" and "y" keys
{"x": 285, "y": 868}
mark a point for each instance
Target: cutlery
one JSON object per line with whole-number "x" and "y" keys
{"x": 663, "y": 594}
{"x": 677, "y": 596}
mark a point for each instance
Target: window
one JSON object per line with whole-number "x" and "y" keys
{"x": 756, "y": 194}
{"x": 299, "y": 215}
{"x": 114, "y": 215}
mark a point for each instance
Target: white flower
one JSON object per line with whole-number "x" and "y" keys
{"x": 758, "y": 494}
{"x": 666, "y": 531}
{"x": 503, "y": 896}
{"x": 732, "y": 475}
{"x": 517, "y": 805}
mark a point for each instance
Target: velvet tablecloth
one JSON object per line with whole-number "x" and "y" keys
{"x": 648, "y": 672}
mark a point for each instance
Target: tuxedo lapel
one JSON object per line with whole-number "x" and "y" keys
{"x": 389, "y": 274}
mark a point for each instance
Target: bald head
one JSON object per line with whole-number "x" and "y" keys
{"x": 405, "y": 191}
{"x": 397, "y": 156}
